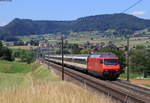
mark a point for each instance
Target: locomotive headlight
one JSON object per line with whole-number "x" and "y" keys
{"x": 106, "y": 72}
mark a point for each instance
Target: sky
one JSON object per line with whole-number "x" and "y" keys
{"x": 67, "y": 9}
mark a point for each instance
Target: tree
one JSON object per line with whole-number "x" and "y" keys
{"x": 6, "y": 54}
{"x": 136, "y": 61}
{"x": 65, "y": 52}
{"x": 1, "y": 44}
{"x": 27, "y": 56}
{"x": 75, "y": 49}
{"x": 85, "y": 51}
{"x": 140, "y": 61}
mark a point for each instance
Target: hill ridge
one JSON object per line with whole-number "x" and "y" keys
{"x": 122, "y": 23}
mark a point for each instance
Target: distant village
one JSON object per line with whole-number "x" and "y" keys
{"x": 44, "y": 43}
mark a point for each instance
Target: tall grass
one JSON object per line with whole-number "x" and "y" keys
{"x": 40, "y": 85}
{"x": 54, "y": 92}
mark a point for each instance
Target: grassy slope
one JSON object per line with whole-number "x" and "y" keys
{"x": 15, "y": 73}
{"x": 24, "y": 83}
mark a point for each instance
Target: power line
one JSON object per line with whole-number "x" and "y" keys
{"x": 128, "y": 58}
{"x": 139, "y": 1}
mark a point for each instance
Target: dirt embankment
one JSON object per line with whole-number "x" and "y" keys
{"x": 141, "y": 82}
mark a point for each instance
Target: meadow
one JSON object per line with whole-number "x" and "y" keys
{"x": 23, "y": 47}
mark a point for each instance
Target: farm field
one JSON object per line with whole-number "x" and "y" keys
{"x": 34, "y": 83}
{"x": 39, "y": 37}
{"x": 23, "y": 47}
{"x": 134, "y": 41}
{"x": 85, "y": 37}
{"x": 120, "y": 42}
{"x": 92, "y": 37}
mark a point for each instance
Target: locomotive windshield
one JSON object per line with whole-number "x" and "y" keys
{"x": 110, "y": 61}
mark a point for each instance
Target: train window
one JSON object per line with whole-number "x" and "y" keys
{"x": 81, "y": 61}
{"x": 101, "y": 61}
{"x": 110, "y": 61}
{"x": 69, "y": 59}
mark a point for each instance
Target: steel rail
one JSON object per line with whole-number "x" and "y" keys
{"x": 145, "y": 92}
{"x": 99, "y": 85}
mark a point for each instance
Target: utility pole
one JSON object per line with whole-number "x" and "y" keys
{"x": 62, "y": 53}
{"x": 128, "y": 58}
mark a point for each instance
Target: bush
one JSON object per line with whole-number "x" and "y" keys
{"x": 140, "y": 60}
{"x": 85, "y": 51}
{"x": 5, "y": 53}
{"x": 24, "y": 55}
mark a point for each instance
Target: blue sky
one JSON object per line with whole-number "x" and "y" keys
{"x": 67, "y": 9}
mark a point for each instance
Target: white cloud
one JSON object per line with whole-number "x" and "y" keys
{"x": 3, "y": 23}
{"x": 138, "y": 13}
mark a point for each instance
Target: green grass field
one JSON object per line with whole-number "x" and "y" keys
{"x": 39, "y": 37}
{"x": 132, "y": 76}
{"x": 148, "y": 85}
{"x": 14, "y": 67}
{"x": 16, "y": 73}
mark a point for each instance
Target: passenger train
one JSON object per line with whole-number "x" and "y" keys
{"x": 103, "y": 65}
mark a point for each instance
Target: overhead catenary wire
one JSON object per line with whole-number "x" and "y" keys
{"x": 139, "y": 1}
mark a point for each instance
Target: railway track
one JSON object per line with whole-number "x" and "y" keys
{"x": 143, "y": 91}
{"x": 120, "y": 90}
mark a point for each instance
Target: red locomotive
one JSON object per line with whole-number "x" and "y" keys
{"x": 104, "y": 65}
